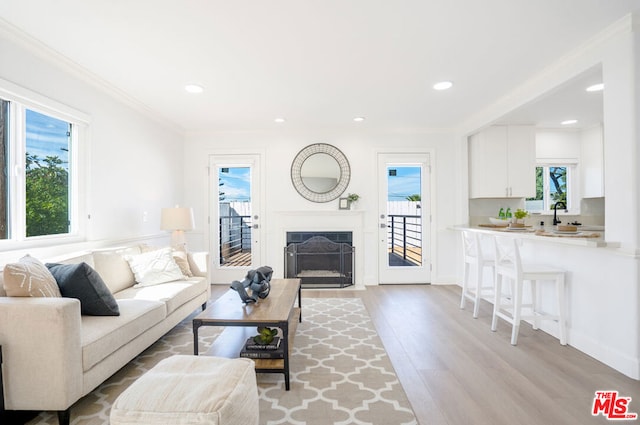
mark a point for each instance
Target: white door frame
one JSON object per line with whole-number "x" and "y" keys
{"x": 228, "y": 274}
{"x": 413, "y": 274}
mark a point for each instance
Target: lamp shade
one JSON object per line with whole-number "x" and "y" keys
{"x": 177, "y": 218}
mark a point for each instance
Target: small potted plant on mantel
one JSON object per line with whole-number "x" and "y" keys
{"x": 352, "y": 198}
{"x": 518, "y": 218}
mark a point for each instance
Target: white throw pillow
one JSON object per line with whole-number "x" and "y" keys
{"x": 179, "y": 256}
{"x": 154, "y": 267}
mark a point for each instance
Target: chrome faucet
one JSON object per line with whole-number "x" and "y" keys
{"x": 555, "y": 212}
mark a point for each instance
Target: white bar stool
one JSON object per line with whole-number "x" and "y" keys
{"x": 474, "y": 257}
{"x": 508, "y": 264}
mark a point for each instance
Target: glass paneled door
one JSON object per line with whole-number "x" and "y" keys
{"x": 404, "y": 218}
{"x": 235, "y": 217}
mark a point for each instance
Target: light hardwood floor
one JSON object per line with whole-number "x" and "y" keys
{"x": 456, "y": 371}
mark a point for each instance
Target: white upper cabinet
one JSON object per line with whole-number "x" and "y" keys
{"x": 502, "y": 162}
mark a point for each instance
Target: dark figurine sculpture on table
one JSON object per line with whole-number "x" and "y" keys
{"x": 257, "y": 281}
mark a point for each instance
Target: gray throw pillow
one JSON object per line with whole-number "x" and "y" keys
{"x": 81, "y": 281}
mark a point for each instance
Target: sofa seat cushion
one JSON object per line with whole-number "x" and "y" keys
{"x": 103, "y": 335}
{"x": 173, "y": 294}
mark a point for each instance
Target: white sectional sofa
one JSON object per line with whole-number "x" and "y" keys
{"x": 53, "y": 355}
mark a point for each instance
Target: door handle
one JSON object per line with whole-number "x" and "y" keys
{"x": 255, "y": 226}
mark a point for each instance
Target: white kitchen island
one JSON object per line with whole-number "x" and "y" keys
{"x": 602, "y": 300}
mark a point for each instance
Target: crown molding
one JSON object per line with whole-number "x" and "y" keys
{"x": 52, "y": 56}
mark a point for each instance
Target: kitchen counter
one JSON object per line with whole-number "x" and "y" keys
{"x": 585, "y": 238}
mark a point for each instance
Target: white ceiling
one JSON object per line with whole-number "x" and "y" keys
{"x": 570, "y": 101}
{"x": 316, "y": 63}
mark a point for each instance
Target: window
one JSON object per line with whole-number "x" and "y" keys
{"x": 553, "y": 184}
{"x": 48, "y": 142}
{"x": 39, "y": 184}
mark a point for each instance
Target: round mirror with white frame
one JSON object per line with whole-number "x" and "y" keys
{"x": 320, "y": 172}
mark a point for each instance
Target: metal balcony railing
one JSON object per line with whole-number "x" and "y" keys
{"x": 235, "y": 240}
{"x": 404, "y": 236}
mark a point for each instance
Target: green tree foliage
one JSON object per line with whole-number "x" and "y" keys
{"x": 47, "y": 203}
{"x": 539, "y": 183}
{"x": 415, "y": 197}
{"x": 558, "y": 179}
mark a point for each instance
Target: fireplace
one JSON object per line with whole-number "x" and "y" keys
{"x": 320, "y": 259}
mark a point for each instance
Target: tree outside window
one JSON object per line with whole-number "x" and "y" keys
{"x": 557, "y": 185}
{"x": 47, "y": 203}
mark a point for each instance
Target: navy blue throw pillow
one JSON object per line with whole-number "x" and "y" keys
{"x": 81, "y": 281}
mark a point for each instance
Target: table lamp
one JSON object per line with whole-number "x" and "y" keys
{"x": 178, "y": 220}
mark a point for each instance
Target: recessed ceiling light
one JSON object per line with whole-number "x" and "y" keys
{"x": 569, "y": 122}
{"x": 443, "y": 85}
{"x": 359, "y": 119}
{"x": 194, "y": 88}
{"x": 596, "y": 87}
{"x": 279, "y": 120}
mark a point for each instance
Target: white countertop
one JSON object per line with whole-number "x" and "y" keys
{"x": 584, "y": 238}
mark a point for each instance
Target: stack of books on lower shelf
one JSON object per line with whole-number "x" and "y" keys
{"x": 254, "y": 350}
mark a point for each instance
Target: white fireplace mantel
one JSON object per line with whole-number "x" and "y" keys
{"x": 319, "y": 220}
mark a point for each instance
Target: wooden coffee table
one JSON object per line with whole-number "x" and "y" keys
{"x": 278, "y": 310}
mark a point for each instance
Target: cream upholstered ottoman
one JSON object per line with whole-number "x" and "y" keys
{"x": 191, "y": 390}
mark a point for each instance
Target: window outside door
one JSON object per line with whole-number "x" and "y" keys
{"x": 404, "y": 223}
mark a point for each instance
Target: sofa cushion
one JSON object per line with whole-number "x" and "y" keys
{"x": 81, "y": 281}
{"x": 102, "y": 336}
{"x": 154, "y": 267}
{"x": 114, "y": 269}
{"x": 173, "y": 294}
{"x": 180, "y": 256}
{"x": 29, "y": 278}
{"x": 182, "y": 261}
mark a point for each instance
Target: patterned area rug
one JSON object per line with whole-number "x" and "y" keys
{"x": 340, "y": 373}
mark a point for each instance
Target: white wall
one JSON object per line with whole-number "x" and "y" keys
{"x": 592, "y": 162}
{"x": 134, "y": 163}
{"x": 278, "y": 150}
